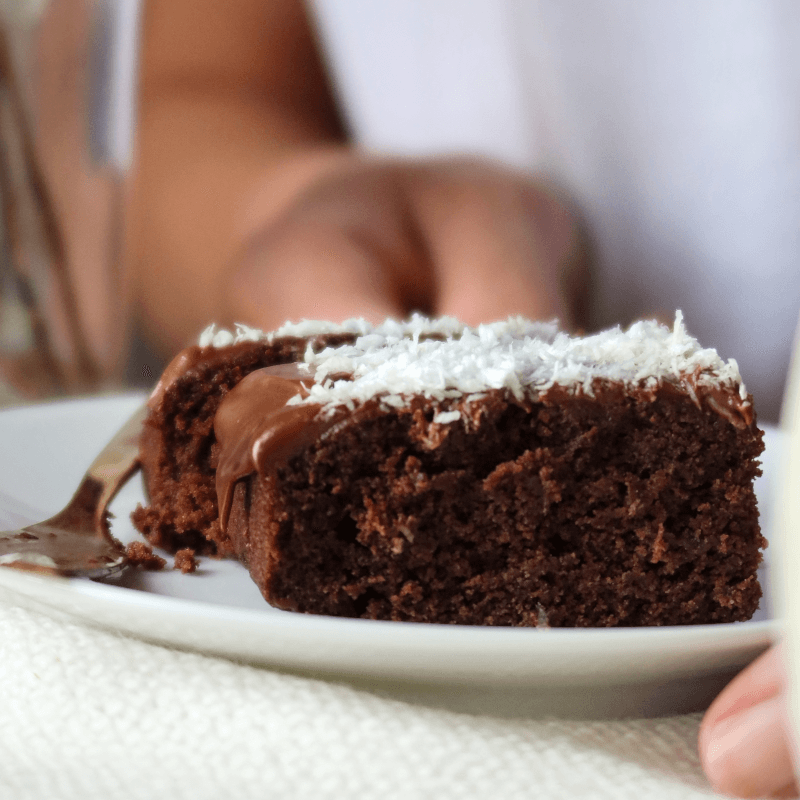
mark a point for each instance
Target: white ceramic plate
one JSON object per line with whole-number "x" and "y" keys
{"x": 219, "y": 611}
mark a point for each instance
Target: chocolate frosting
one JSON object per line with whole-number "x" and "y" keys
{"x": 257, "y": 431}
{"x": 181, "y": 364}
{"x": 730, "y": 406}
{"x": 188, "y": 360}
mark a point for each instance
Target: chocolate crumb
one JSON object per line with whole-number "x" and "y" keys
{"x": 141, "y": 555}
{"x": 185, "y": 560}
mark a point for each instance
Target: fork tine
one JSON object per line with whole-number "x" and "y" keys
{"x": 77, "y": 540}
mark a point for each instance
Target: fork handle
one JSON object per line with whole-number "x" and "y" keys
{"x": 117, "y": 461}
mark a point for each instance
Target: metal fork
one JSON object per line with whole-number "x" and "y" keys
{"x": 77, "y": 542}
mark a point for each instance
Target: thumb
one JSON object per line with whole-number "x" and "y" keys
{"x": 501, "y": 244}
{"x": 311, "y": 271}
{"x": 345, "y": 248}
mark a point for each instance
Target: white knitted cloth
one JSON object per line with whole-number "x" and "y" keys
{"x": 89, "y": 714}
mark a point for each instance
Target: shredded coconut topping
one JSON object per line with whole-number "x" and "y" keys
{"x": 417, "y": 325}
{"x": 395, "y": 360}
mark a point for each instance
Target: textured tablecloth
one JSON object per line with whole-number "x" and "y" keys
{"x": 90, "y": 714}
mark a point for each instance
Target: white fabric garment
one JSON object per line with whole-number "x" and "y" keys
{"x": 674, "y": 126}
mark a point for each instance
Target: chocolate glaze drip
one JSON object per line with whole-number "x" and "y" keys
{"x": 257, "y": 431}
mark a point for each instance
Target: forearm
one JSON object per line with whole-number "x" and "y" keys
{"x": 212, "y": 171}
{"x": 235, "y": 118}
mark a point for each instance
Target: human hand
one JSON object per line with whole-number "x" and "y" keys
{"x": 250, "y": 204}
{"x": 383, "y": 238}
{"x": 744, "y": 739}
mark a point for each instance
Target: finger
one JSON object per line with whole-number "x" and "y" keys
{"x": 344, "y": 249}
{"x": 310, "y": 273}
{"x": 743, "y": 741}
{"x": 499, "y": 243}
{"x": 747, "y": 754}
{"x": 760, "y": 681}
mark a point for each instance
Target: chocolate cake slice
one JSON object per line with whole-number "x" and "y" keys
{"x": 178, "y": 447}
{"x": 426, "y": 471}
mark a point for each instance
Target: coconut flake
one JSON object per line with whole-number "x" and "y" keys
{"x": 396, "y": 359}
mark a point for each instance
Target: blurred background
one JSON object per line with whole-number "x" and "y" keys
{"x": 67, "y": 119}
{"x": 672, "y": 129}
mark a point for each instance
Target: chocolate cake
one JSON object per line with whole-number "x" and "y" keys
{"x": 426, "y": 471}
